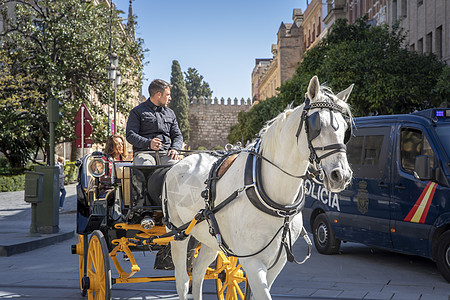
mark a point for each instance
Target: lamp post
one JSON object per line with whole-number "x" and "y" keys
{"x": 117, "y": 82}
{"x": 112, "y": 74}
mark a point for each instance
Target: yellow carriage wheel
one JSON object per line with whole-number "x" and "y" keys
{"x": 81, "y": 250}
{"x": 231, "y": 282}
{"x": 98, "y": 282}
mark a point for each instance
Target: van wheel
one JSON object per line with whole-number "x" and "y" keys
{"x": 324, "y": 239}
{"x": 443, "y": 255}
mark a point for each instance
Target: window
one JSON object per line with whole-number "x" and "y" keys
{"x": 404, "y": 8}
{"x": 419, "y": 3}
{"x": 367, "y": 151}
{"x": 354, "y": 150}
{"x": 429, "y": 43}
{"x": 439, "y": 42}
{"x": 413, "y": 143}
{"x": 372, "y": 149}
{"x": 394, "y": 11}
{"x": 420, "y": 46}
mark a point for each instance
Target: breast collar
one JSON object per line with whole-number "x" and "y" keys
{"x": 257, "y": 195}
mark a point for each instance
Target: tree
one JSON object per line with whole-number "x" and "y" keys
{"x": 195, "y": 85}
{"x": 250, "y": 123}
{"x": 65, "y": 44}
{"x": 388, "y": 78}
{"x": 180, "y": 101}
{"x": 19, "y": 97}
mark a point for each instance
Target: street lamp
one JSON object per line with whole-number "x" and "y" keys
{"x": 117, "y": 82}
{"x": 111, "y": 77}
{"x": 112, "y": 74}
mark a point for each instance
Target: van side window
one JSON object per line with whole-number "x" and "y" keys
{"x": 367, "y": 150}
{"x": 372, "y": 149}
{"x": 354, "y": 150}
{"x": 413, "y": 143}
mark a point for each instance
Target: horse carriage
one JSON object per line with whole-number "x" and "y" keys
{"x": 119, "y": 209}
{"x": 212, "y": 216}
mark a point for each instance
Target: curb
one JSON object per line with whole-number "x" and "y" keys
{"x": 32, "y": 245}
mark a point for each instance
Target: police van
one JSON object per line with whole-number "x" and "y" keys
{"x": 399, "y": 198}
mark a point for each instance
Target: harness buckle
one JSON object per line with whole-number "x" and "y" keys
{"x": 205, "y": 194}
{"x": 245, "y": 187}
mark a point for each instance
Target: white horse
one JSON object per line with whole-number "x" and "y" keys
{"x": 245, "y": 228}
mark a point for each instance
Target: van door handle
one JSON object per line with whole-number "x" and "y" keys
{"x": 400, "y": 187}
{"x": 383, "y": 185}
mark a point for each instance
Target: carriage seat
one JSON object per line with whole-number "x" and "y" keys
{"x": 123, "y": 173}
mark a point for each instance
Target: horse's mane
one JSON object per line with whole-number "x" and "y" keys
{"x": 274, "y": 125}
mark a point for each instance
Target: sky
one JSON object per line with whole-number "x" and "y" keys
{"x": 219, "y": 38}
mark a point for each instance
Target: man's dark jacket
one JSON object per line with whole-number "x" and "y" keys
{"x": 147, "y": 121}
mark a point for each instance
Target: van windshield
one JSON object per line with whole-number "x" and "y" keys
{"x": 443, "y": 132}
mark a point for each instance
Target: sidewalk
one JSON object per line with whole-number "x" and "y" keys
{"x": 15, "y": 221}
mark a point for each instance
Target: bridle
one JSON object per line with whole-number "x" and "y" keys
{"x": 313, "y": 128}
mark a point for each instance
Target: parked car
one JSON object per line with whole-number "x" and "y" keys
{"x": 399, "y": 198}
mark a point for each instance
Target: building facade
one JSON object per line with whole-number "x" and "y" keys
{"x": 269, "y": 74}
{"x": 313, "y": 24}
{"x": 426, "y": 23}
{"x": 261, "y": 65}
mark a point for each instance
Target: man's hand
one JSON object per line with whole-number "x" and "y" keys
{"x": 155, "y": 144}
{"x": 173, "y": 154}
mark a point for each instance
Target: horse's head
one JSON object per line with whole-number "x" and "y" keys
{"x": 327, "y": 121}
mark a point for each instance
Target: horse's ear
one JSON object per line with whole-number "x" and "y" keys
{"x": 313, "y": 88}
{"x": 345, "y": 93}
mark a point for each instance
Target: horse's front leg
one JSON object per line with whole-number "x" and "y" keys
{"x": 205, "y": 257}
{"x": 256, "y": 272}
{"x": 273, "y": 273}
{"x": 179, "y": 255}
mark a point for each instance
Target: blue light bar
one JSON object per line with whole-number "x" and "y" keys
{"x": 440, "y": 113}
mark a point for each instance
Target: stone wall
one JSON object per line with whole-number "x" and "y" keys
{"x": 211, "y": 119}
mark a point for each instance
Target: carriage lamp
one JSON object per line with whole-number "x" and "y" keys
{"x": 97, "y": 167}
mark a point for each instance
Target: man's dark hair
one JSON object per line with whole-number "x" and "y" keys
{"x": 157, "y": 85}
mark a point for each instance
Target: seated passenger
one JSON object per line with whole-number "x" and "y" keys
{"x": 116, "y": 148}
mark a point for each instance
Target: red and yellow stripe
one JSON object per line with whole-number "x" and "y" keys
{"x": 419, "y": 212}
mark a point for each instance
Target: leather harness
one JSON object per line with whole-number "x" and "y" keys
{"x": 256, "y": 193}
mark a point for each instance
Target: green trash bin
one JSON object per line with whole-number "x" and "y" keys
{"x": 47, "y": 211}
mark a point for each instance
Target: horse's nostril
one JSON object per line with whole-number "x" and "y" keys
{"x": 336, "y": 175}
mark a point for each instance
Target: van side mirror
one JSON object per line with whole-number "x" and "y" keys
{"x": 422, "y": 169}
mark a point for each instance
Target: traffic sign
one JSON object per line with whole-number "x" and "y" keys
{"x": 87, "y": 129}
{"x": 87, "y": 114}
{"x": 87, "y": 143}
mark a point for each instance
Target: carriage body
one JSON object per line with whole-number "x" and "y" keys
{"x": 119, "y": 209}
{"x": 115, "y": 196}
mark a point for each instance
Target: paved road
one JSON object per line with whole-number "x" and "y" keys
{"x": 358, "y": 272}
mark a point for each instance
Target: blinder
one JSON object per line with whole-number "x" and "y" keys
{"x": 314, "y": 126}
